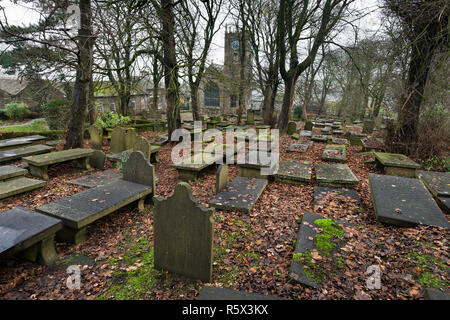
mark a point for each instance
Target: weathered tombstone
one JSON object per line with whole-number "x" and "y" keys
{"x": 221, "y": 177}
{"x": 308, "y": 126}
{"x": 183, "y": 235}
{"x": 97, "y": 160}
{"x": 291, "y": 127}
{"x": 139, "y": 170}
{"x": 294, "y": 172}
{"x": 250, "y": 117}
{"x": 122, "y": 139}
{"x": 96, "y": 134}
{"x": 142, "y": 145}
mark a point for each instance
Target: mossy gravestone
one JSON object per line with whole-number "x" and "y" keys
{"x": 144, "y": 146}
{"x": 221, "y": 177}
{"x": 308, "y": 126}
{"x": 122, "y": 139}
{"x": 96, "y": 134}
{"x": 183, "y": 235}
{"x": 250, "y": 117}
{"x": 291, "y": 127}
{"x": 97, "y": 160}
{"x": 137, "y": 169}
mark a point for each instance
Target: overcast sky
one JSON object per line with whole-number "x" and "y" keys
{"x": 21, "y": 14}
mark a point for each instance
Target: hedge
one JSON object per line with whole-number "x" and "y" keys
{"x": 50, "y": 134}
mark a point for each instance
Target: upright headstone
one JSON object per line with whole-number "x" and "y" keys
{"x": 250, "y": 117}
{"x": 291, "y": 127}
{"x": 97, "y": 160}
{"x": 221, "y": 177}
{"x": 122, "y": 139}
{"x": 183, "y": 235}
{"x": 96, "y": 134}
{"x": 139, "y": 170}
{"x": 308, "y": 126}
{"x": 144, "y": 146}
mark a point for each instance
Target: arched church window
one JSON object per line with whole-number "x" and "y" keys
{"x": 212, "y": 95}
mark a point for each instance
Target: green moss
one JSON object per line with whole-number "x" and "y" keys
{"x": 326, "y": 241}
{"x": 427, "y": 267}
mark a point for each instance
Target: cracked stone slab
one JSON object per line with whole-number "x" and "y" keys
{"x": 240, "y": 194}
{"x": 404, "y": 202}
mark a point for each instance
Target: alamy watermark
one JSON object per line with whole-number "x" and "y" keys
{"x": 209, "y": 147}
{"x": 73, "y": 281}
{"x": 73, "y": 20}
{"x": 373, "y": 282}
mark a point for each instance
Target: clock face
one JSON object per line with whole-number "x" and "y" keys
{"x": 235, "y": 44}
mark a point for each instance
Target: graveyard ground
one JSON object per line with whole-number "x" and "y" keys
{"x": 252, "y": 252}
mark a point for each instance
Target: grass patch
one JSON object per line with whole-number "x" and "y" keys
{"x": 39, "y": 125}
{"x": 426, "y": 269}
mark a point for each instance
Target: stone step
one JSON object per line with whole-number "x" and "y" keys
{"x": 14, "y": 143}
{"x": 10, "y": 172}
{"x": 19, "y": 185}
{"x": 19, "y": 153}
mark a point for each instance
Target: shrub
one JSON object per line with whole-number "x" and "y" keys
{"x": 3, "y": 115}
{"x": 17, "y": 111}
{"x": 298, "y": 111}
{"x": 57, "y": 113}
{"x": 111, "y": 120}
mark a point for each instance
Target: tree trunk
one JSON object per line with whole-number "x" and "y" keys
{"x": 170, "y": 66}
{"x": 194, "y": 102}
{"x": 267, "y": 104}
{"x": 83, "y": 79}
{"x": 92, "y": 111}
{"x": 288, "y": 98}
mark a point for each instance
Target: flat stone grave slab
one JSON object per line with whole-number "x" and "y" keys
{"x": 38, "y": 164}
{"x": 338, "y": 132}
{"x": 437, "y": 182}
{"x": 294, "y": 172}
{"x": 189, "y": 169}
{"x": 319, "y": 138}
{"x": 326, "y": 130}
{"x": 14, "y": 154}
{"x": 435, "y": 294}
{"x": 320, "y": 193}
{"x": 216, "y": 293}
{"x": 83, "y": 208}
{"x": 302, "y": 266}
{"x": 19, "y": 185}
{"x": 404, "y": 202}
{"x": 97, "y": 179}
{"x": 14, "y": 143}
{"x": 298, "y": 147}
{"x": 240, "y": 194}
{"x": 53, "y": 143}
{"x": 252, "y": 168}
{"x": 340, "y": 141}
{"x": 396, "y": 164}
{"x": 305, "y": 133}
{"x": 334, "y": 175}
{"x": 159, "y": 140}
{"x": 334, "y": 153}
{"x": 21, "y": 229}
{"x": 8, "y": 172}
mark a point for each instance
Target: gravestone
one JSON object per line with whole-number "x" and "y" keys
{"x": 291, "y": 127}
{"x": 97, "y": 160}
{"x": 183, "y": 235}
{"x": 8, "y": 172}
{"x": 97, "y": 179}
{"x": 396, "y": 164}
{"x": 438, "y": 183}
{"x": 319, "y": 138}
{"x": 240, "y": 194}
{"x": 18, "y": 153}
{"x": 296, "y": 136}
{"x": 221, "y": 177}
{"x": 308, "y": 126}
{"x": 298, "y": 147}
{"x": 303, "y": 268}
{"x": 305, "y": 133}
{"x": 436, "y": 294}
{"x": 139, "y": 170}
{"x": 294, "y": 172}
{"x": 159, "y": 140}
{"x": 250, "y": 117}
{"x": 334, "y": 153}
{"x": 122, "y": 139}
{"x": 340, "y": 141}
{"x": 96, "y": 134}
{"x": 404, "y": 202}
{"x": 144, "y": 146}
{"x": 334, "y": 175}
